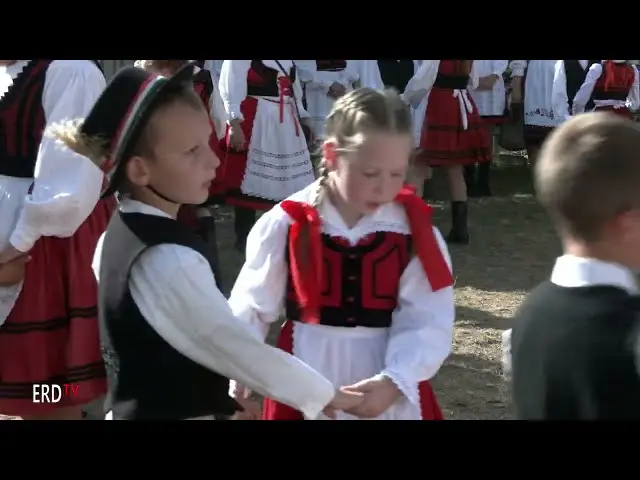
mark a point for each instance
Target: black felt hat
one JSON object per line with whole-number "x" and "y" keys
{"x": 122, "y": 111}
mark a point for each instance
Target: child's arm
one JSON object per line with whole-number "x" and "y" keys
{"x": 175, "y": 290}
{"x": 257, "y": 298}
{"x": 421, "y": 333}
{"x": 586, "y": 90}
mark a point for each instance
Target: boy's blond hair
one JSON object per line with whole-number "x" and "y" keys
{"x": 588, "y": 172}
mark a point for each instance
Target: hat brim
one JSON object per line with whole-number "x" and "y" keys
{"x": 181, "y": 77}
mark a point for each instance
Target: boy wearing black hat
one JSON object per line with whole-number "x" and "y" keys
{"x": 174, "y": 338}
{"x": 575, "y": 346}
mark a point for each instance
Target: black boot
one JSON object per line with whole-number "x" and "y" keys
{"x": 470, "y": 176}
{"x": 243, "y": 220}
{"x": 482, "y": 187}
{"x": 459, "y": 232}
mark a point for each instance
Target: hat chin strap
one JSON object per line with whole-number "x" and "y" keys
{"x": 161, "y": 195}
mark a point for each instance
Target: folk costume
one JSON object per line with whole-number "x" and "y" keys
{"x": 568, "y": 78}
{"x": 172, "y": 334}
{"x": 48, "y": 195}
{"x": 317, "y": 76}
{"x": 266, "y": 96}
{"x": 537, "y": 88}
{"x": 373, "y": 299}
{"x": 575, "y": 345}
{"x": 452, "y": 132}
{"x": 492, "y": 107}
{"x": 612, "y": 85}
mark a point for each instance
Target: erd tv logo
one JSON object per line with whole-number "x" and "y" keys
{"x": 53, "y": 393}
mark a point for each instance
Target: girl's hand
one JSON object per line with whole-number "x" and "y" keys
{"x": 379, "y": 394}
{"x": 236, "y": 137}
{"x": 12, "y": 271}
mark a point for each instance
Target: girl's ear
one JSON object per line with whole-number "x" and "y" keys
{"x": 330, "y": 153}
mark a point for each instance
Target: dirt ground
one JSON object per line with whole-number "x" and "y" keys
{"x": 512, "y": 248}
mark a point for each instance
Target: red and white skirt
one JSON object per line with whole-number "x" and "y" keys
{"x": 346, "y": 356}
{"x": 276, "y": 163}
{"x": 51, "y": 335}
{"x": 453, "y": 133}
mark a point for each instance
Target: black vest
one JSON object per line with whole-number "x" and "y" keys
{"x": 153, "y": 380}
{"x": 575, "y": 78}
{"x": 574, "y": 354}
{"x": 396, "y": 73}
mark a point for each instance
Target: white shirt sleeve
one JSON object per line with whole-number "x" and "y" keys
{"x": 66, "y": 185}
{"x": 586, "y": 90}
{"x": 189, "y": 312}
{"x": 421, "y": 333}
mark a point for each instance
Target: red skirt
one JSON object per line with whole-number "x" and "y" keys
{"x": 51, "y": 335}
{"x": 235, "y": 163}
{"x": 444, "y": 140}
{"x": 273, "y": 410}
{"x": 624, "y": 111}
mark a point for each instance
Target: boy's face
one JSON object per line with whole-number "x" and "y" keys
{"x": 183, "y": 164}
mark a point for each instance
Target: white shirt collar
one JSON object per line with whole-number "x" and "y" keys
{"x": 128, "y": 205}
{"x": 571, "y": 271}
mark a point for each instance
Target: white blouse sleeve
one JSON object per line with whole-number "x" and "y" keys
{"x": 217, "y": 110}
{"x": 634, "y": 93}
{"x": 421, "y": 333}
{"x": 233, "y": 86}
{"x": 559, "y": 98}
{"x": 66, "y": 185}
{"x": 189, "y": 312}
{"x": 498, "y": 67}
{"x": 518, "y": 67}
{"x": 586, "y": 90}
{"x": 350, "y": 74}
{"x": 421, "y": 82}
{"x": 370, "y": 75}
{"x": 308, "y": 73}
{"x": 257, "y": 298}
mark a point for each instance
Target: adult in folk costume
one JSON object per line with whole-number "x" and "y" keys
{"x": 452, "y": 134}
{"x": 532, "y": 83}
{"x": 613, "y": 86}
{"x": 49, "y": 214}
{"x": 324, "y": 81}
{"x": 491, "y": 99}
{"x": 266, "y": 153}
{"x": 568, "y": 77}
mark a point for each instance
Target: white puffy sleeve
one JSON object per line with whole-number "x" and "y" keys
{"x": 421, "y": 83}
{"x": 233, "y": 86}
{"x": 518, "y": 67}
{"x": 586, "y": 90}
{"x": 350, "y": 74}
{"x": 308, "y": 73}
{"x": 370, "y": 74}
{"x": 217, "y": 110}
{"x": 257, "y": 298}
{"x": 421, "y": 333}
{"x": 66, "y": 185}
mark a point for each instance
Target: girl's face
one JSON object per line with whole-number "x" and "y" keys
{"x": 183, "y": 164}
{"x": 374, "y": 174}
